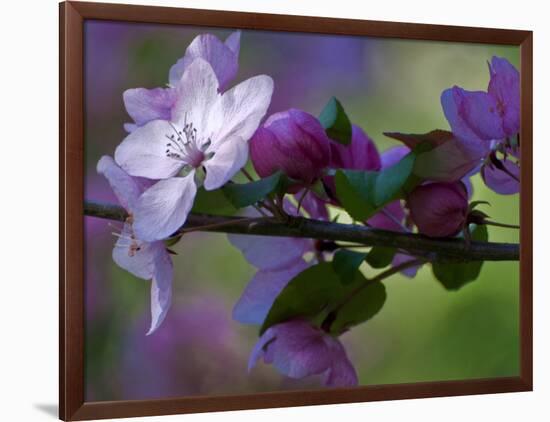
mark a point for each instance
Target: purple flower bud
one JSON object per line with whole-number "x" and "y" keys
{"x": 292, "y": 141}
{"x": 360, "y": 154}
{"x": 439, "y": 209}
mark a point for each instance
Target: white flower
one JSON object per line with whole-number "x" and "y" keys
{"x": 208, "y": 130}
{"x": 146, "y": 260}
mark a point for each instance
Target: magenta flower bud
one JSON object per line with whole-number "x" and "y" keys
{"x": 292, "y": 141}
{"x": 439, "y": 209}
{"x": 360, "y": 154}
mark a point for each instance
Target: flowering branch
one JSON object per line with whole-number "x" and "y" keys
{"x": 431, "y": 249}
{"x": 186, "y": 142}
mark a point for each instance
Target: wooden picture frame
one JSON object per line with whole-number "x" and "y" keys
{"x": 71, "y": 158}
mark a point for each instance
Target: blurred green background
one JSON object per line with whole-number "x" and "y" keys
{"x": 423, "y": 333}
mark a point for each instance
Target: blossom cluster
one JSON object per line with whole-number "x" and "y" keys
{"x": 199, "y": 131}
{"x": 192, "y": 133}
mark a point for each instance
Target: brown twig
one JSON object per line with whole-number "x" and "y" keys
{"x": 438, "y": 249}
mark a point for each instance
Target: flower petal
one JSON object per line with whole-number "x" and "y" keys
{"x": 240, "y": 110}
{"x": 233, "y": 41}
{"x": 260, "y": 293}
{"x": 341, "y": 372}
{"x": 391, "y": 217}
{"x": 133, "y": 255}
{"x": 505, "y": 87}
{"x": 467, "y": 181}
{"x": 451, "y": 161}
{"x": 130, "y": 127}
{"x": 143, "y": 152}
{"x": 393, "y": 155}
{"x": 126, "y": 188}
{"x": 259, "y": 348}
{"x": 314, "y": 206}
{"x": 472, "y": 115}
{"x": 144, "y": 105}
{"x": 401, "y": 258}
{"x": 197, "y": 96}
{"x": 161, "y": 288}
{"x": 498, "y": 180}
{"x": 228, "y": 159}
{"x": 270, "y": 253}
{"x": 361, "y": 154}
{"x": 299, "y": 349}
{"x": 163, "y": 208}
{"x": 222, "y": 57}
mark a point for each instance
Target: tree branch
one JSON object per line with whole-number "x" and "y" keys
{"x": 452, "y": 250}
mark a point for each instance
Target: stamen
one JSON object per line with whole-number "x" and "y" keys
{"x": 206, "y": 144}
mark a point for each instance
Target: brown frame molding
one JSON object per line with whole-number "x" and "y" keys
{"x": 71, "y": 158}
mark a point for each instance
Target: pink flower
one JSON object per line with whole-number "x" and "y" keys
{"x": 222, "y": 56}
{"x": 209, "y": 131}
{"x": 146, "y": 260}
{"x": 144, "y": 105}
{"x": 297, "y": 349}
{"x": 486, "y": 116}
{"x": 489, "y": 122}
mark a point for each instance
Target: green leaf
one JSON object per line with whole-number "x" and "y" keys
{"x": 363, "y": 193}
{"x": 475, "y": 204}
{"x": 212, "y": 202}
{"x": 171, "y": 241}
{"x": 361, "y": 307}
{"x": 346, "y": 263}
{"x": 318, "y": 188}
{"x": 390, "y": 183}
{"x": 244, "y": 194}
{"x": 318, "y": 294}
{"x": 380, "y": 256}
{"x": 431, "y": 139}
{"x": 305, "y": 295}
{"x": 455, "y": 275}
{"x": 336, "y": 123}
{"x": 355, "y": 191}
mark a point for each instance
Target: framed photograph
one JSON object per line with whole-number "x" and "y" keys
{"x": 267, "y": 210}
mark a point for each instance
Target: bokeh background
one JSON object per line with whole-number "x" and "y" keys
{"x": 423, "y": 333}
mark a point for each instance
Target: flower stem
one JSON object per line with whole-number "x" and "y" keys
{"x": 259, "y": 209}
{"x": 494, "y": 223}
{"x": 302, "y": 197}
{"x": 383, "y": 275}
{"x": 352, "y": 246}
{"x": 216, "y": 225}
{"x": 247, "y": 175}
